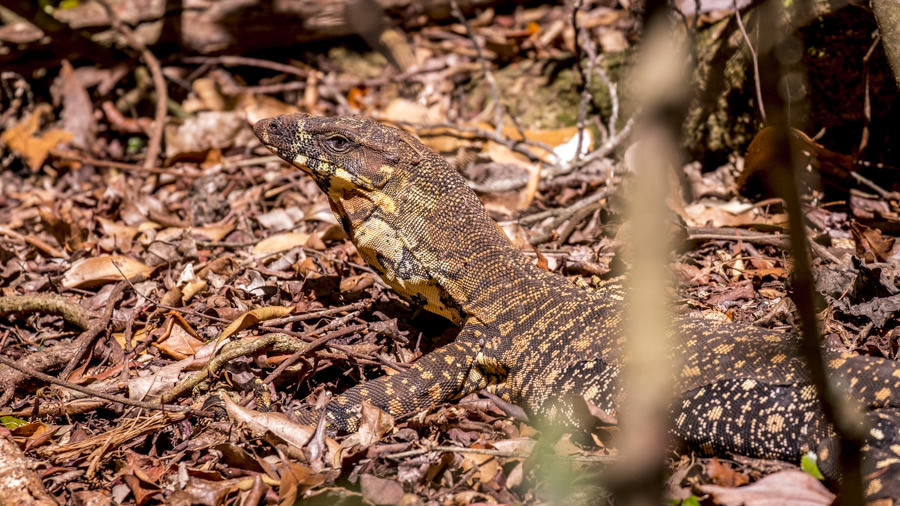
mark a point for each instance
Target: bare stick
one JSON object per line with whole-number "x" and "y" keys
{"x": 599, "y": 459}
{"x": 102, "y": 395}
{"x": 53, "y": 304}
{"x": 613, "y": 91}
{"x": 86, "y": 340}
{"x": 495, "y": 94}
{"x": 159, "y": 84}
{"x": 759, "y": 97}
{"x": 582, "y": 38}
{"x": 249, "y": 62}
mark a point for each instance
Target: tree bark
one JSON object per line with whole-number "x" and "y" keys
{"x": 887, "y": 13}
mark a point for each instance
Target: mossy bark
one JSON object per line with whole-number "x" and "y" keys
{"x": 832, "y": 79}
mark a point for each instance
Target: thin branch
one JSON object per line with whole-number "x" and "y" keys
{"x": 86, "y": 340}
{"x": 582, "y": 39}
{"x": 599, "y": 459}
{"x": 101, "y": 395}
{"x": 488, "y": 76}
{"x": 613, "y": 91}
{"x": 249, "y": 62}
{"x": 53, "y": 304}
{"x": 755, "y": 59}
{"x": 159, "y": 84}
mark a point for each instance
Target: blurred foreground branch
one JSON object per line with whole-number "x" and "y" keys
{"x": 783, "y": 176}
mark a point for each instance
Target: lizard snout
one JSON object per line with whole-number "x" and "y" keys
{"x": 276, "y": 133}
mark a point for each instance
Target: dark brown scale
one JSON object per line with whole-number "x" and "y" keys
{"x": 538, "y": 340}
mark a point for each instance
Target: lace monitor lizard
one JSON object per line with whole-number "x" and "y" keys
{"x": 534, "y": 338}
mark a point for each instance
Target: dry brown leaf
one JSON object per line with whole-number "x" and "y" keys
{"x": 401, "y": 109}
{"x": 157, "y": 383}
{"x": 357, "y": 283}
{"x": 724, "y": 475}
{"x": 296, "y": 480}
{"x": 762, "y": 156}
{"x": 77, "y": 112}
{"x": 379, "y": 491}
{"x": 308, "y": 268}
{"x": 208, "y": 93}
{"x": 292, "y": 433}
{"x": 120, "y": 235}
{"x": 785, "y": 487}
{"x": 94, "y": 271}
{"x": 280, "y": 242}
{"x": 522, "y": 445}
{"x": 257, "y": 107}
{"x": 333, "y": 232}
{"x": 207, "y": 130}
{"x": 775, "y": 272}
{"x": 192, "y": 288}
{"x": 375, "y": 423}
{"x": 488, "y": 466}
{"x": 213, "y": 232}
{"x": 279, "y": 425}
{"x": 21, "y": 139}
{"x": 734, "y": 213}
{"x": 253, "y": 317}
{"x": 180, "y": 344}
{"x": 136, "y": 337}
{"x": 871, "y": 245}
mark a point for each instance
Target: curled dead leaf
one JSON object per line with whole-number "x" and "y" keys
{"x": 280, "y": 242}
{"x": 374, "y": 424}
{"x": 253, "y": 317}
{"x": 278, "y": 424}
{"x": 785, "y": 487}
{"x": 357, "y": 283}
{"x": 94, "y": 271}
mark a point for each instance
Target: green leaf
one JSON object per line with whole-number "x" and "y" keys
{"x": 135, "y": 145}
{"x": 690, "y": 501}
{"x": 810, "y": 466}
{"x": 11, "y": 422}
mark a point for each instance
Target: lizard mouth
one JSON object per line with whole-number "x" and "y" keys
{"x": 279, "y": 135}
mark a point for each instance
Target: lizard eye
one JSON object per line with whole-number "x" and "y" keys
{"x": 338, "y": 144}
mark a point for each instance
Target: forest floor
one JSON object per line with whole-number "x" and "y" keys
{"x": 136, "y": 252}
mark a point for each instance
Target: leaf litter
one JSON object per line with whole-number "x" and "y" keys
{"x": 218, "y": 247}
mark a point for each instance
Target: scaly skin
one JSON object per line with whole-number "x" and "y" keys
{"x": 537, "y": 340}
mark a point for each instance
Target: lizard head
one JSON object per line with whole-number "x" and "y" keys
{"x": 343, "y": 154}
{"x": 382, "y": 183}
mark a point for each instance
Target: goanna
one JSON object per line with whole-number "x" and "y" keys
{"x": 537, "y": 340}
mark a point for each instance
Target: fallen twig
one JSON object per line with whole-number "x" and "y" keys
{"x": 246, "y": 61}
{"x": 488, "y": 76}
{"x": 86, "y": 340}
{"x": 598, "y": 459}
{"x": 159, "y": 84}
{"x": 754, "y": 59}
{"x": 51, "y": 303}
{"x": 102, "y": 395}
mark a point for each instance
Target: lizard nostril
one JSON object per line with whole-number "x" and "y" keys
{"x": 275, "y": 130}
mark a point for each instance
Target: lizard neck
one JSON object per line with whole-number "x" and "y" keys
{"x": 468, "y": 257}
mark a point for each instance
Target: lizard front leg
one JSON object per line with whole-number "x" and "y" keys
{"x": 449, "y": 372}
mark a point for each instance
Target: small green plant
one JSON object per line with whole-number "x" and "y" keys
{"x": 690, "y": 501}
{"x": 11, "y": 422}
{"x": 810, "y": 466}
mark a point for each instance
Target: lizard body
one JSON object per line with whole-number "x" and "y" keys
{"x": 536, "y": 339}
